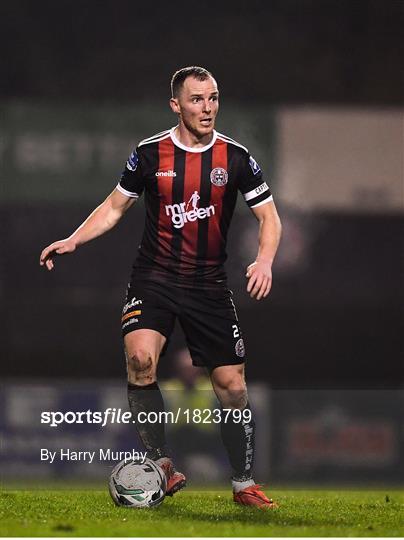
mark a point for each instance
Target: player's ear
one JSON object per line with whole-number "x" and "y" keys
{"x": 174, "y": 105}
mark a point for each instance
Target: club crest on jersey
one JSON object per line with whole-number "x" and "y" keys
{"x": 219, "y": 176}
{"x": 240, "y": 349}
{"x": 254, "y": 166}
{"x": 183, "y": 212}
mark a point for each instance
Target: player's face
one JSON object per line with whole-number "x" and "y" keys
{"x": 197, "y": 105}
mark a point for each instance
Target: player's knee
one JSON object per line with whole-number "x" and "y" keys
{"x": 237, "y": 397}
{"x": 234, "y": 393}
{"x": 141, "y": 367}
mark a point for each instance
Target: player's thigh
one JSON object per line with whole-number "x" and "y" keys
{"x": 212, "y": 329}
{"x": 148, "y": 318}
{"x": 148, "y": 306}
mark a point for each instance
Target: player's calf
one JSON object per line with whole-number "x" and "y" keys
{"x": 146, "y": 404}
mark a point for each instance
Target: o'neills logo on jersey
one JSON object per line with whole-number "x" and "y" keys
{"x": 166, "y": 173}
{"x": 183, "y": 212}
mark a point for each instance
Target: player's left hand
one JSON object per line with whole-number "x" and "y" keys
{"x": 259, "y": 275}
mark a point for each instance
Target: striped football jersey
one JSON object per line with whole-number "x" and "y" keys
{"x": 190, "y": 196}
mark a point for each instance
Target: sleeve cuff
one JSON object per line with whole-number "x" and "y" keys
{"x": 268, "y": 199}
{"x": 126, "y": 192}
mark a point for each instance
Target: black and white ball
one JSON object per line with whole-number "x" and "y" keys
{"x": 138, "y": 485}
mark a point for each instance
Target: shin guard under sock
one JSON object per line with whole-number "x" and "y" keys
{"x": 146, "y": 399}
{"x": 238, "y": 439}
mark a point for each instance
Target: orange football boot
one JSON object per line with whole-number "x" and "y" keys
{"x": 175, "y": 479}
{"x": 253, "y": 496}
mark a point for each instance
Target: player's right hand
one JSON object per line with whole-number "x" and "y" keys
{"x": 61, "y": 247}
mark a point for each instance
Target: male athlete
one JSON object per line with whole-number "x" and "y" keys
{"x": 191, "y": 175}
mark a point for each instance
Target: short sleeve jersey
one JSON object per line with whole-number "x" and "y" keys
{"x": 190, "y": 196}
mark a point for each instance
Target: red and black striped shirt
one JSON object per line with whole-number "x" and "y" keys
{"x": 190, "y": 196}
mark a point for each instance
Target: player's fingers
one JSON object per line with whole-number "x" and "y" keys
{"x": 256, "y": 287}
{"x": 47, "y": 252}
{"x": 49, "y": 264}
{"x": 263, "y": 288}
{"x": 43, "y": 256}
{"x": 251, "y": 282}
{"x": 250, "y": 270}
{"x": 268, "y": 288}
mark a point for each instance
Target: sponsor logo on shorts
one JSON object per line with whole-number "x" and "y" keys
{"x": 219, "y": 176}
{"x": 131, "y": 321}
{"x": 240, "y": 349}
{"x": 133, "y": 303}
{"x": 131, "y": 314}
{"x": 183, "y": 212}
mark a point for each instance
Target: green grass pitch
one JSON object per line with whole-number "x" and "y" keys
{"x": 203, "y": 513}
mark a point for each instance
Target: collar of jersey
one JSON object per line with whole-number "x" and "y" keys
{"x": 189, "y": 149}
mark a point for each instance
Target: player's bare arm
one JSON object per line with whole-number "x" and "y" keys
{"x": 259, "y": 273}
{"x": 101, "y": 220}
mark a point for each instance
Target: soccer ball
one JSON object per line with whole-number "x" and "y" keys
{"x": 138, "y": 485}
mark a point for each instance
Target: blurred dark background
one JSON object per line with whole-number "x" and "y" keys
{"x": 83, "y": 82}
{"x": 277, "y": 51}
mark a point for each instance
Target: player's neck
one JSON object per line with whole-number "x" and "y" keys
{"x": 191, "y": 140}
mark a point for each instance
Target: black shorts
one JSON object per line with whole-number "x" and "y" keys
{"x": 208, "y": 319}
